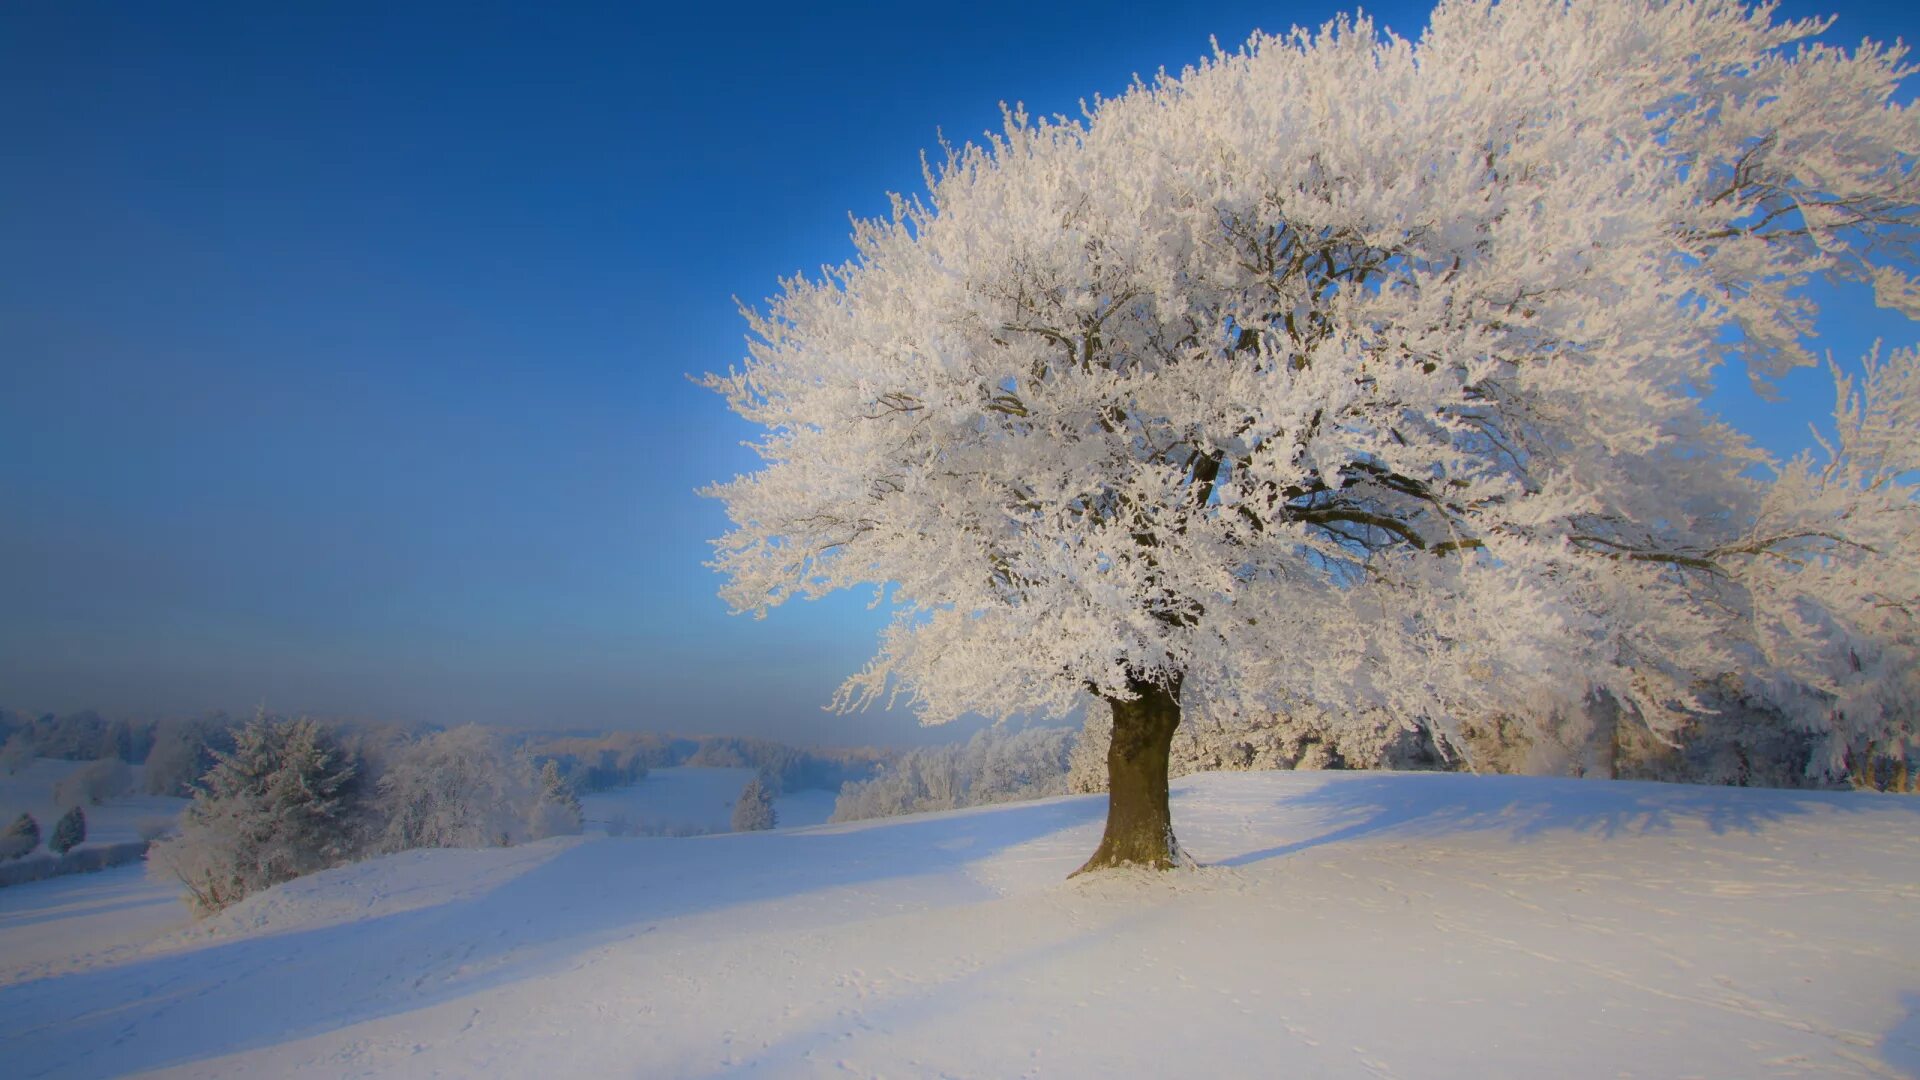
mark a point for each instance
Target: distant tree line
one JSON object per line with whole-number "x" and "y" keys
{"x": 602, "y": 760}
{"x": 176, "y": 751}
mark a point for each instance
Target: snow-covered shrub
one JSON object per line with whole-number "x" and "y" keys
{"x": 280, "y": 804}
{"x": 20, "y": 838}
{"x": 464, "y": 788}
{"x": 754, "y": 809}
{"x": 994, "y": 766}
{"x": 69, "y": 832}
{"x": 94, "y": 783}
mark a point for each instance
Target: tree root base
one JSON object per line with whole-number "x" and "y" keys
{"x": 1173, "y": 857}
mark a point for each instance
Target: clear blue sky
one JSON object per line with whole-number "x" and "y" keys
{"x": 342, "y": 346}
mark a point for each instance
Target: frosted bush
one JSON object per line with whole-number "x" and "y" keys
{"x": 464, "y": 788}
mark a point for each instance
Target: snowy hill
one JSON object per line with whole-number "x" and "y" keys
{"x": 1361, "y": 925}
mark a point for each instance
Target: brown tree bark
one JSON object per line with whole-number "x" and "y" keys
{"x": 1139, "y": 823}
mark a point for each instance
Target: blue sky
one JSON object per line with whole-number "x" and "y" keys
{"x": 343, "y": 350}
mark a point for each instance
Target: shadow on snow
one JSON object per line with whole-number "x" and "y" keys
{"x": 1430, "y": 805}
{"x": 265, "y": 990}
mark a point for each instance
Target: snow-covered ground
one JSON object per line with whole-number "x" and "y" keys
{"x": 1365, "y": 925}
{"x": 685, "y": 799}
{"x": 117, "y": 820}
{"x": 82, "y": 921}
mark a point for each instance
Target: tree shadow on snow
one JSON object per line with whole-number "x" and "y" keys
{"x": 1900, "y": 1049}
{"x": 265, "y": 990}
{"x": 1427, "y": 805}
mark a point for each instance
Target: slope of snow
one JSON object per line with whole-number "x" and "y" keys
{"x": 82, "y": 920}
{"x": 1366, "y": 925}
{"x": 694, "y": 799}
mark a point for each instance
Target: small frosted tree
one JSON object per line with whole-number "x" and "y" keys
{"x": 557, "y": 788}
{"x": 20, "y": 838}
{"x": 69, "y": 832}
{"x": 754, "y": 809}
{"x": 1365, "y": 373}
{"x": 280, "y": 804}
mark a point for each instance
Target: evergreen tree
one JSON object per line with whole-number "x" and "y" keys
{"x": 69, "y": 832}
{"x": 557, "y": 790}
{"x": 20, "y": 838}
{"x": 279, "y": 805}
{"x": 754, "y": 810}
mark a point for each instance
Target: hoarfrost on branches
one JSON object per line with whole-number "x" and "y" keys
{"x": 277, "y": 806}
{"x": 1363, "y": 373}
{"x": 463, "y": 788}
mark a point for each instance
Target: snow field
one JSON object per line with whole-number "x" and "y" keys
{"x": 115, "y": 821}
{"x": 694, "y": 799}
{"x": 1363, "y": 925}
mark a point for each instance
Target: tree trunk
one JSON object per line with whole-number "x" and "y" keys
{"x": 1139, "y": 824}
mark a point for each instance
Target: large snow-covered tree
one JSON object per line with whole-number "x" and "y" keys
{"x": 1363, "y": 371}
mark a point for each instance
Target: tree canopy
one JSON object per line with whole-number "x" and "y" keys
{"x": 1358, "y": 370}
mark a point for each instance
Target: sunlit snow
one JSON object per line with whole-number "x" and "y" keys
{"x": 1371, "y": 925}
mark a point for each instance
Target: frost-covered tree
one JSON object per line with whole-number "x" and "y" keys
{"x": 754, "y": 809}
{"x": 464, "y": 788}
{"x": 1360, "y": 372}
{"x": 556, "y": 789}
{"x": 20, "y": 838}
{"x": 1829, "y": 573}
{"x": 280, "y": 804}
{"x": 69, "y": 832}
